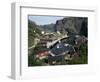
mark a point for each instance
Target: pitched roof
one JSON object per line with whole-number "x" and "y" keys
{"x": 60, "y": 48}
{"x": 56, "y": 58}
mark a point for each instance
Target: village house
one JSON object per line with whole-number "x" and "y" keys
{"x": 61, "y": 52}
{"x": 42, "y": 55}
{"x": 45, "y": 39}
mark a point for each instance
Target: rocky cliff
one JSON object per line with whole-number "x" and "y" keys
{"x": 72, "y": 25}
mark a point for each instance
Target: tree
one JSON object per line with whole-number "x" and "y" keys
{"x": 33, "y": 32}
{"x": 83, "y": 59}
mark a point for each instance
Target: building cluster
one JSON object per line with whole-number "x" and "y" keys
{"x": 63, "y": 50}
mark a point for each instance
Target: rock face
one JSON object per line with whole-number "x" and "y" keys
{"x": 72, "y": 25}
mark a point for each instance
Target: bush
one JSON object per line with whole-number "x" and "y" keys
{"x": 83, "y": 55}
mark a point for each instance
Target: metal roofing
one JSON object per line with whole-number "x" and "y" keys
{"x": 59, "y": 48}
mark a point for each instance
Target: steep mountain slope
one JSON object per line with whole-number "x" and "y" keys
{"x": 48, "y": 27}
{"x": 72, "y": 25}
{"x": 33, "y": 32}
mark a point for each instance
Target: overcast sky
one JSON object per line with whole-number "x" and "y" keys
{"x": 42, "y": 20}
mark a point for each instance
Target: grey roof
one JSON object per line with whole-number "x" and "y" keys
{"x": 62, "y": 48}
{"x": 56, "y": 58}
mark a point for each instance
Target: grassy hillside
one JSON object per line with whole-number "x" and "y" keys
{"x": 33, "y": 32}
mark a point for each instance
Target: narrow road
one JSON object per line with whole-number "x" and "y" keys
{"x": 35, "y": 43}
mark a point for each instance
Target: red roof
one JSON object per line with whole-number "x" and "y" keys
{"x": 45, "y": 53}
